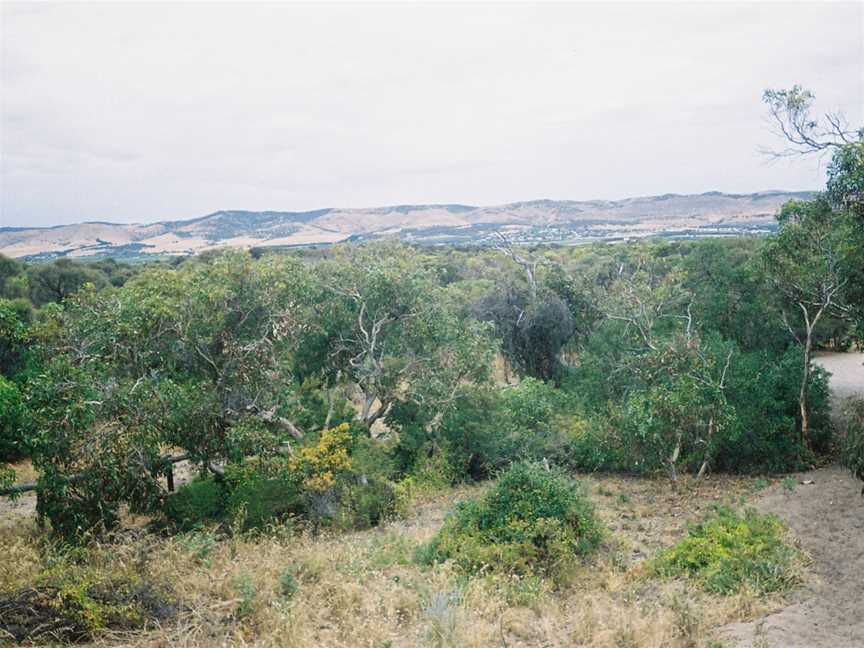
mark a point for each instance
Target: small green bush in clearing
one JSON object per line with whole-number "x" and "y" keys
{"x": 199, "y": 544}
{"x": 288, "y": 585}
{"x": 245, "y": 587}
{"x": 727, "y": 552}
{"x": 199, "y": 501}
{"x": 366, "y": 504}
{"x": 533, "y": 521}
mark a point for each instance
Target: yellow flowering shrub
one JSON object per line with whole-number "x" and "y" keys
{"x": 319, "y": 465}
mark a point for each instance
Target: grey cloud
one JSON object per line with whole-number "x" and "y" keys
{"x": 154, "y": 111}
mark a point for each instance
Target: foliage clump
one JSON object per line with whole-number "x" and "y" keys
{"x": 261, "y": 501}
{"x": 198, "y": 501}
{"x": 853, "y": 449}
{"x": 533, "y": 521}
{"x": 728, "y": 552}
{"x": 337, "y": 479}
{"x": 318, "y": 465}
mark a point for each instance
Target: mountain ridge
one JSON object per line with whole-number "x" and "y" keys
{"x": 712, "y": 213}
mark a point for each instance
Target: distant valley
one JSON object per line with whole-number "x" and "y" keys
{"x": 538, "y": 221}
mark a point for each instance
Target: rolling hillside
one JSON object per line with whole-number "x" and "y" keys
{"x": 550, "y": 221}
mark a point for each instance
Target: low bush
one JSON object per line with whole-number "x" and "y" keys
{"x": 195, "y": 503}
{"x": 367, "y": 503}
{"x": 77, "y": 605}
{"x": 728, "y": 552}
{"x": 853, "y": 446}
{"x": 260, "y": 501}
{"x": 594, "y": 445}
{"x": 533, "y": 521}
{"x": 288, "y": 585}
{"x": 247, "y": 592}
{"x": 335, "y": 480}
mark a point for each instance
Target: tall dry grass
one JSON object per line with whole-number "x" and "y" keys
{"x": 364, "y": 590}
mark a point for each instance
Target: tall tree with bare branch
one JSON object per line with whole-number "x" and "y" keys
{"x": 803, "y": 261}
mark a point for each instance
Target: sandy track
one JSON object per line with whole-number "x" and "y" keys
{"x": 828, "y": 519}
{"x": 847, "y": 372}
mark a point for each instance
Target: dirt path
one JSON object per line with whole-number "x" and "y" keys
{"x": 828, "y": 518}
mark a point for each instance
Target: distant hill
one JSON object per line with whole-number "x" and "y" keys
{"x": 536, "y": 221}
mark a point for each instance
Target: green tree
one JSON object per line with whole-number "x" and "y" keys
{"x": 9, "y": 269}
{"x": 677, "y": 409}
{"x": 392, "y": 334}
{"x": 803, "y": 261}
{"x": 196, "y": 358}
{"x": 531, "y": 319}
{"x": 845, "y": 192}
{"x": 729, "y": 294}
{"x": 53, "y": 282}
{"x": 816, "y": 258}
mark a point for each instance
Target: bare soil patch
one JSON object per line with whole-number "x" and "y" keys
{"x": 827, "y": 516}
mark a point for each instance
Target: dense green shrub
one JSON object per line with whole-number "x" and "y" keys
{"x": 595, "y": 445}
{"x": 763, "y": 436}
{"x": 853, "y": 446}
{"x": 728, "y": 552}
{"x": 13, "y": 422}
{"x": 264, "y": 500}
{"x": 366, "y": 503}
{"x": 197, "y": 502}
{"x": 533, "y": 520}
{"x": 335, "y": 479}
{"x": 754, "y": 419}
{"x": 665, "y": 427}
{"x": 670, "y": 415}
{"x": 483, "y": 431}
{"x": 461, "y": 445}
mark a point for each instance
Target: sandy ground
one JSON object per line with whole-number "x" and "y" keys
{"x": 827, "y": 517}
{"x": 847, "y": 372}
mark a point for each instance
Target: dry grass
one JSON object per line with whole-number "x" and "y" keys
{"x": 362, "y": 589}
{"x": 24, "y": 471}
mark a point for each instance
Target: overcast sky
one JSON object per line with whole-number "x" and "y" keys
{"x": 142, "y": 112}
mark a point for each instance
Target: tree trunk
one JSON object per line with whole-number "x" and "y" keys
{"x": 704, "y": 467}
{"x": 673, "y": 460}
{"x": 802, "y": 395}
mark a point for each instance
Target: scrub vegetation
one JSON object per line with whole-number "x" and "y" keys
{"x": 391, "y": 445}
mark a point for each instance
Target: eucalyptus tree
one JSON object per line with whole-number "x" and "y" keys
{"x": 14, "y": 359}
{"x": 55, "y": 281}
{"x": 816, "y": 259}
{"x": 532, "y": 320}
{"x": 803, "y": 261}
{"x": 791, "y": 113}
{"x": 10, "y": 269}
{"x": 196, "y": 358}
{"x": 393, "y": 334}
{"x": 647, "y": 299}
{"x": 845, "y": 193}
